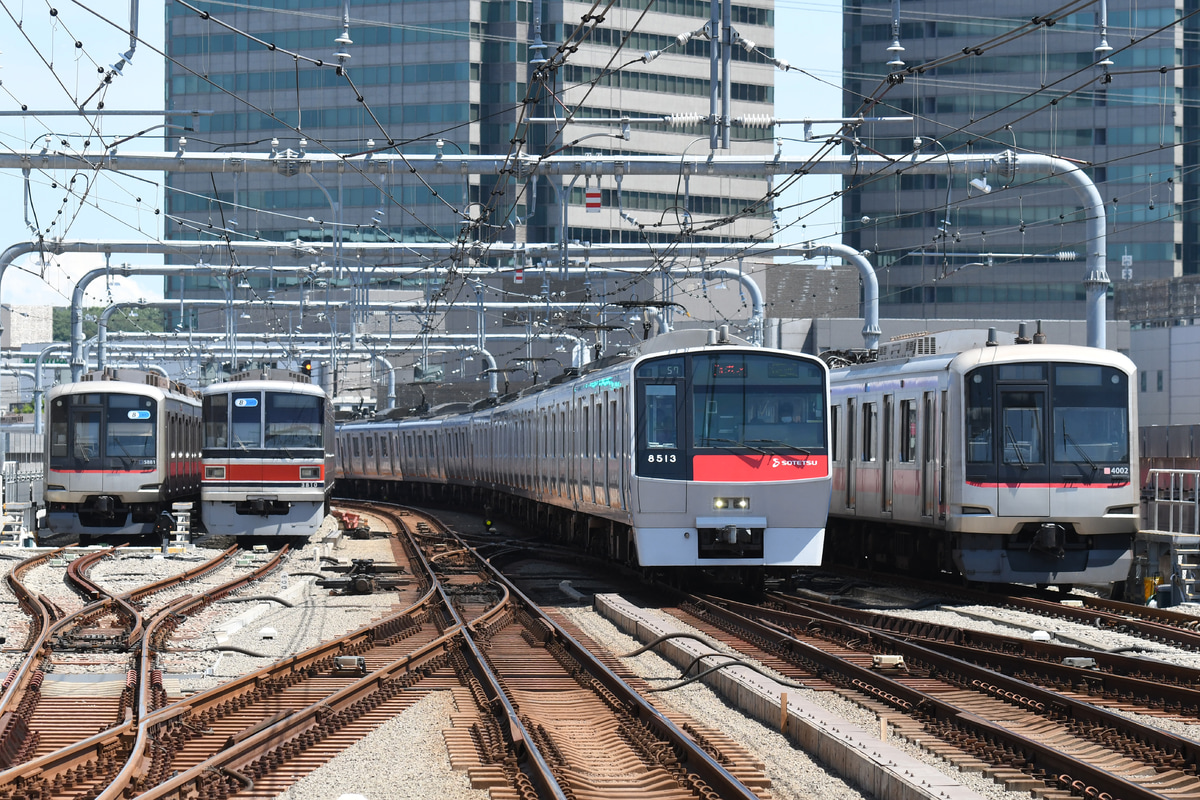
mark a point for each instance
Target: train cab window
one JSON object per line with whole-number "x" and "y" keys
{"x": 216, "y": 420}
{"x": 129, "y": 427}
{"x": 294, "y": 420}
{"x": 979, "y": 416}
{"x": 908, "y": 431}
{"x": 1091, "y": 416}
{"x": 661, "y": 430}
{"x": 1023, "y": 416}
{"x": 85, "y": 435}
{"x": 246, "y": 427}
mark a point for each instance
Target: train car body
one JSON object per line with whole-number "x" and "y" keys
{"x": 268, "y": 455}
{"x": 684, "y": 454}
{"x": 1008, "y": 463}
{"x": 121, "y": 448}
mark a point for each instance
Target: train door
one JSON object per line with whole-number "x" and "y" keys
{"x": 851, "y": 450}
{"x": 1024, "y": 465}
{"x": 885, "y": 490}
{"x": 928, "y": 459}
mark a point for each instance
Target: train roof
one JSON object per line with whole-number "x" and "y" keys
{"x": 976, "y": 356}
{"x": 269, "y": 385}
{"x": 126, "y": 381}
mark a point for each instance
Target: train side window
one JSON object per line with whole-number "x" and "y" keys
{"x": 908, "y": 431}
{"x": 835, "y": 413}
{"x": 354, "y": 446}
{"x": 870, "y": 420}
{"x": 370, "y": 447}
{"x": 383, "y": 446}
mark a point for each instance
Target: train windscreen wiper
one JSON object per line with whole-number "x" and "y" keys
{"x": 777, "y": 443}
{"x": 736, "y": 444}
{"x": 1071, "y": 440}
{"x": 1016, "y": 447}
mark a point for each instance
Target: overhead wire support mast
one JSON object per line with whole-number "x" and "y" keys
{"x": 1004, "y": 166}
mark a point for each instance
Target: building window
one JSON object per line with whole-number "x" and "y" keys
{"x": 1160, "y": 380}
{"x": 1143, "y": 382}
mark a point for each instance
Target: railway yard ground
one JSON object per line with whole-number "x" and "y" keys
{"x": 240, "y": 675}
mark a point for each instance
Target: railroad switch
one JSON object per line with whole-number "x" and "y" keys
{"x": 364, "y": 576}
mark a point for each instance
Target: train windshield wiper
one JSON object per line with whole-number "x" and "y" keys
{"x": 1012, "y": 438}
{"x": 707, "y": 439}
{"x": 1071, "y": 440}
{"x": 777, "y": 443}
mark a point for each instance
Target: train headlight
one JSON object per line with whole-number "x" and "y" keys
{"x": 310, "y": 473}
{"x": 214, "y": 473}
{"x": 735, "y": 503}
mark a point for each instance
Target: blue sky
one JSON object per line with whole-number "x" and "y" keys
{"x": 111, "y": 212}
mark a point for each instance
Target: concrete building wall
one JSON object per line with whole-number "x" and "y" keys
{"x": 1168, "y": 361}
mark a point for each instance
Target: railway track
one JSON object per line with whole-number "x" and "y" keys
{"x": 68, "y": 737}
{"x": 537, "y": 715}
{"x": 1026, "y": 735}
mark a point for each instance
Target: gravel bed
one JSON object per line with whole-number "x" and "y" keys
{"x": 403, "y": 759}
{"x": 51, "y": 581}
{"x": 1020, "y": 624}
{"x": 794, "y": 774}
{"x": 123, "y": 572}
{"x": 270, "y": 630}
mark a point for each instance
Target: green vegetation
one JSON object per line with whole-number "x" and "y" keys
{"x": 128, "y": 318}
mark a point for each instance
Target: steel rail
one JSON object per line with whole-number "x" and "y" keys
{"x": 774, "y": 626}
{"x": 722, "y": 782}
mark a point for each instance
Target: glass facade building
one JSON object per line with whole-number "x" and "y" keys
{"x": 454, "y": 75}
{"x": 983, "y": 79}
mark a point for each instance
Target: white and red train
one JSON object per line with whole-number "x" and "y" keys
{"x": 693, "y": 451}
{"x": 1004, "y": 463}
{"x": 122, "y": 446}
{"x": 268, "y": 455}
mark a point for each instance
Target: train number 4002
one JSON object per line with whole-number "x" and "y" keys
{"x": 661, "y": 458}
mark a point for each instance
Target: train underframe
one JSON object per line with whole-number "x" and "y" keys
{"x": 1042, "y": 554}
{"x": 105, "y": 515}
{"x": 603, "y": 538}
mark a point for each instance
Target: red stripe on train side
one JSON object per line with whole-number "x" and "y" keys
{"x": 759, "y": 467}
{"x": 241, "y": 473}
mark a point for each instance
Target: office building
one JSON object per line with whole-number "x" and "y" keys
{"x": 986, "y": 78}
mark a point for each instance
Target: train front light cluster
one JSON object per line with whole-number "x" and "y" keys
{"x": 731, "y": 503}
{"x": 214, "y": 473}
{"x": 310, "y": 473}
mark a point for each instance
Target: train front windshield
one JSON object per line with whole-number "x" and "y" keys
{"x": 103, "y": 432}
{"x": 1048, "y": 421}
{"x": 723, "y": 416}
{"x": 249, "y": 420}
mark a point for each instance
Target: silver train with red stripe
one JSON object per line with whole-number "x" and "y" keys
{"x": 692, "y": 451}
{"x": 1002, "y": 462}
{"x": 268, "y": 455}
{"x": 121, "y": 447}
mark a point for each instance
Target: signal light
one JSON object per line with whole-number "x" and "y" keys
{"x": 306, "y": 366}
